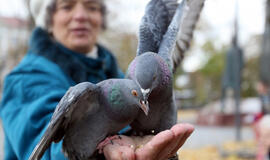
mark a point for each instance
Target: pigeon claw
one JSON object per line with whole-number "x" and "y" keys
{"x": 106, "y": 141}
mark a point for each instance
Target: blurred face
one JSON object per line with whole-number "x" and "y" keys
{"x": 76, "y": 24}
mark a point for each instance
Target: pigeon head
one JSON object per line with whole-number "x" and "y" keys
{"x": 133, "y": 92}
{"x": 125, "y": 97}
{"x": 147, "y": 74}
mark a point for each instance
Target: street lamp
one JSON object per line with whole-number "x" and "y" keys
{"x": 232, "y": 75}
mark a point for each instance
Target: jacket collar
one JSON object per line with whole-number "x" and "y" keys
{"x": 76, "y": 65}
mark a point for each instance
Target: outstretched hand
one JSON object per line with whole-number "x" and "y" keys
{"x": 159, "y": 147}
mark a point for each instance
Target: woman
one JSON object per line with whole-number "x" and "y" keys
{"x": 63, "y": 52}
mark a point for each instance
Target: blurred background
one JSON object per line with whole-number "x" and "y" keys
{"x": 218, "y": 135}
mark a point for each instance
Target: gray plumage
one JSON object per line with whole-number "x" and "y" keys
{"x": 154, "y": 77}
{"x": 154, "y": 25}
{"x": 152, "y": 69}
{"x": 185, "y": 35}
{"x": 87, "y": 114}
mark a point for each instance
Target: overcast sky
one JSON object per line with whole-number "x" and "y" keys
{"x": 219, "y": 14}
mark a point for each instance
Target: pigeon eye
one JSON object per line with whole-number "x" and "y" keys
{"x": 134, "y": 93}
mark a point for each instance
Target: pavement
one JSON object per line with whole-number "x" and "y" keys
{"x": 211, "y": 135}
{"x": 216, "y": 136}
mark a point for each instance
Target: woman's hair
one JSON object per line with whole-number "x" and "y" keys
{"x": 42, "y": 12}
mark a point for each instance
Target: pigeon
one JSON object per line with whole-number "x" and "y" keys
{"x": 87, "y": 114}
{"x": 165, "y": 33}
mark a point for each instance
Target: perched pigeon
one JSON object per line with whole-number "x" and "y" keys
{"x": 87, "y": 114}
{"x": 165, "y": 34}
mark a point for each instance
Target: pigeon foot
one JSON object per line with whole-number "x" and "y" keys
{"x": 106, "y": 141}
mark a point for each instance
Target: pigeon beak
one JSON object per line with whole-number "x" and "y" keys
{"x": 144, "y": 102}
{"x": 145, "y": 107}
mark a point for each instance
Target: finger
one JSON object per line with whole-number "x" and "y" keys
{"x": 179, "y": 131}
{"x": 165, "y": 153}
{"x": 188, "y": 131}
{"x": 154, "y": 146}
{"x": 182, "y": 132}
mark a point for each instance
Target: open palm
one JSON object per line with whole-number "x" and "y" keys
{"x": 159, "y": 147}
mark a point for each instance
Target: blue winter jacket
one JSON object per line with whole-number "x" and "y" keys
{"x": 34, "y": 88}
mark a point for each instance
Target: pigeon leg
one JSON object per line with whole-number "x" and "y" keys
{"x": 108, "y": 140}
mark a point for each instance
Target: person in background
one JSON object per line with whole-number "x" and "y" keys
{"x": 261, "y": 123}
{"x": 63, "y": 51}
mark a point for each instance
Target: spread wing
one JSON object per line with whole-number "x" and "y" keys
{"x": 170, "y": 37}
{"x": 78, "y": 101}
{"x": 186, "y": 32}
{"x": 154, "y": 24}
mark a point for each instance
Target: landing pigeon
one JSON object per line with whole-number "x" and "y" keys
{"x": 87, "y": 114}
{"x": 165, "y": 33}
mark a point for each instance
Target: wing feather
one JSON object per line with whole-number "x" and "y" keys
{"x": 66, "y": 113}
{"x": 186, "y": 32}
{"x": 154, "y": 24}
{"x": 169, "y": 39}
